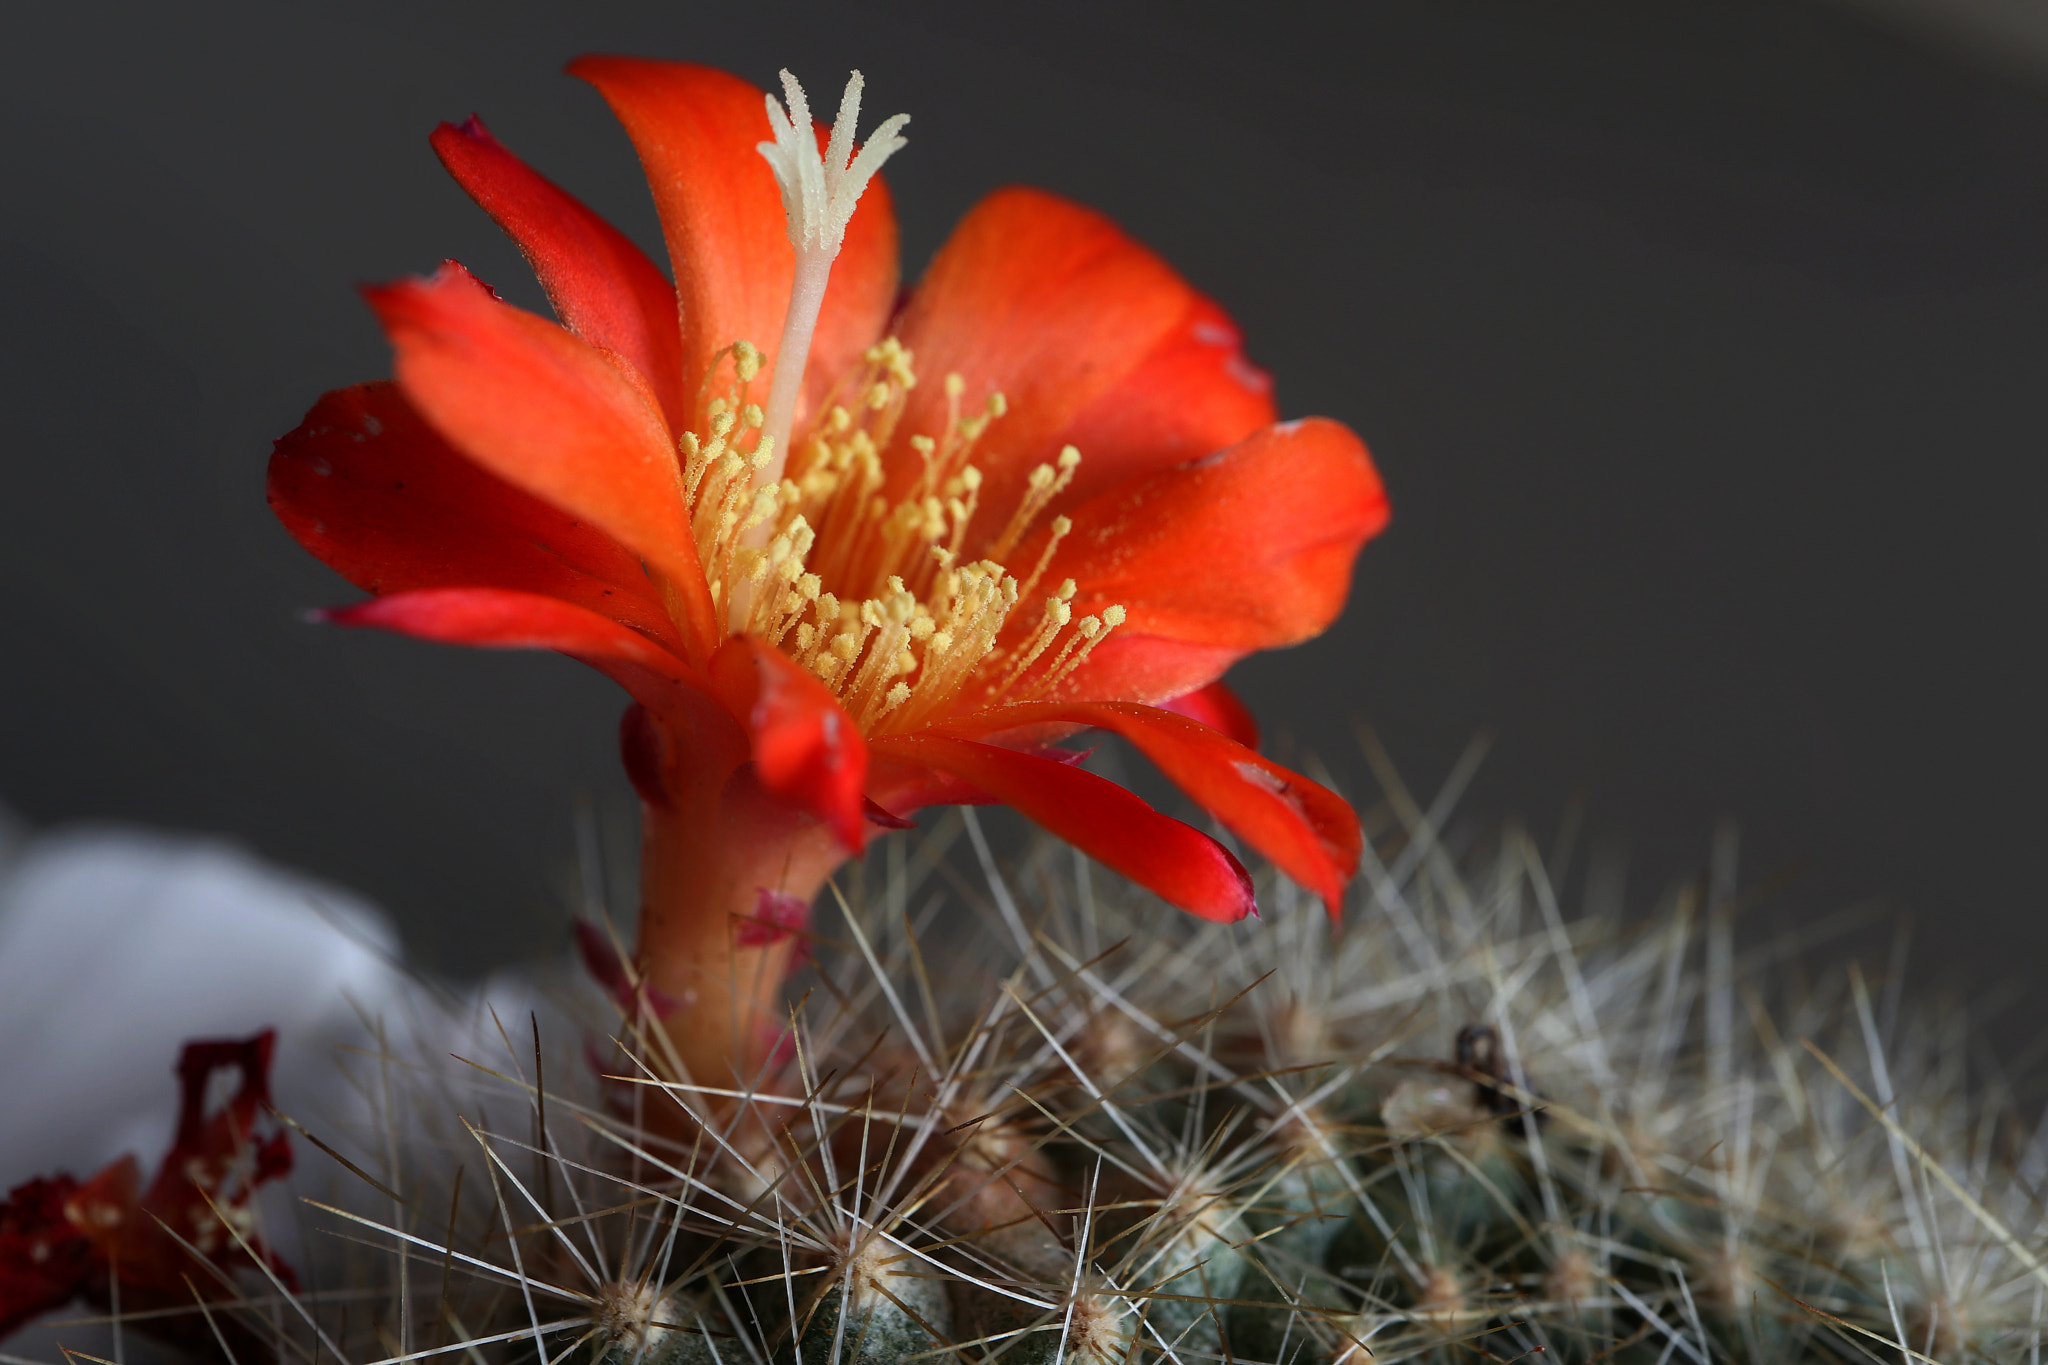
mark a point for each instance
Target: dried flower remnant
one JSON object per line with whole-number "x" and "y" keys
{"x": 155, "y": 1248}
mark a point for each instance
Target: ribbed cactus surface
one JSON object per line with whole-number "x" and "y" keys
{"x": 1465, "y": 1125}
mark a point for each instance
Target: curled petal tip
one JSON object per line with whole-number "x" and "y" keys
{"x": 355, "y": 614}
{"x": 1177, "y": 862}
{"x": 887, "y": 819}
{"x": 1308, "y": 831}
{"x": 1249, "y": 900}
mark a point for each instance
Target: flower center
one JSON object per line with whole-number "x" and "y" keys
{"x": 807, "y": 552}
{"x": 872, "y": 594}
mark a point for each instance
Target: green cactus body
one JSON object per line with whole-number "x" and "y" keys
{"x": 1297, "y": 1212}
{"x": 1191, "y": 1270}
{"x": 898, "y": 1309}
{"x": 1090, "y": 1328}
{"x": 1146, "y": 1158}
{"x": 637, "y": 1327}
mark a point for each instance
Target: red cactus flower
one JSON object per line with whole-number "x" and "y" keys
{"x": 1045, "y": 492}
{"x": 61, "y": 1239}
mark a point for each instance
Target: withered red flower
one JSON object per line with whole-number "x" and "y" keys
{"x": 1046, "y": 491}
{"x": 62, "y": 1239}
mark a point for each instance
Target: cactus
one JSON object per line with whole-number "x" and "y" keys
{"x": 1465, "y": 1127}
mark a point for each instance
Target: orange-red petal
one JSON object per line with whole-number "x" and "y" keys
{"x": 696, "y": 129}
{"x": 1308, "y": 831}
{"x": 1091, "y": 339}
{"x": 805, "y": 747}
{"x": 1193, "y": 395}
{"x": 549, "y": 413}
{"x": 372, "y": 490}
{"x": 492, "y": 618}
{"x": 1219, "y": 708}
{"x": 1250, "y": 548}
{"x": 603, "y": 287}
{"x": 1176, "y": 860}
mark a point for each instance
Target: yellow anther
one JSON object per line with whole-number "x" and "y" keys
{"x": 1044, "y": 483}
{"x": 908, "y": 605}
{"x": 746, "y": 362}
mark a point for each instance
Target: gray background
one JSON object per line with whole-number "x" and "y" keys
{"x": 1701, "y": 345}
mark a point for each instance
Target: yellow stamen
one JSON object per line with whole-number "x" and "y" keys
{"x": 1045, "y": 484}
{"x": 911, "y": 626}
{"x": 1060, "y": 527}
{"x": 1092, "y": 633}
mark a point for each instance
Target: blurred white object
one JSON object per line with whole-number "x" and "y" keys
{"x": 117, "y": 945}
